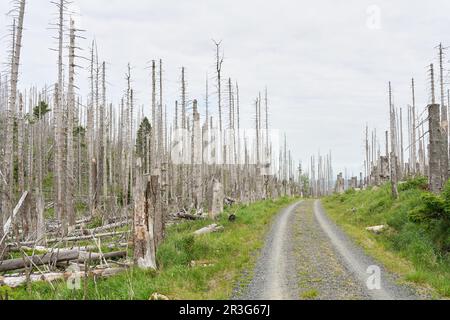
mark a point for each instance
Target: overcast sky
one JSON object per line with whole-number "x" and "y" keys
{"x": 326, "y": 63}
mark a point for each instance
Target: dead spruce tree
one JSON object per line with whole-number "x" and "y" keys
{"x": 100, "y": 136}
{"x": 436, "y": 147}
{"x": 393, "y": 156}
{"x": 219, "y": 63}
{"x": 90, "y": 130}
{"x": 70, "y": 167}
{"x": 8, "y": 162}
{"x": 60, "y": 129}
{"x": 413, "y": 130}
{"x": 444, "y": 119}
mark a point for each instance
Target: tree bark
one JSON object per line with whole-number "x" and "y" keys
{"x": 144, "y": 239}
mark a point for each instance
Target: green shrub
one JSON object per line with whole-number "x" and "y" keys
{"x": 397, "y": 221}
{"x": 433, "y": 208}
{"x": 416, "y": 243}
{"x": 446, "y": 197}
{"x": 440, "y": 234}
{"x": 420, "y": 183}
{"x": 350, "y": 192}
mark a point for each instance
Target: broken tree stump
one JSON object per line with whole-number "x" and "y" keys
{"x": 217, "y": 200}
{"x": 144, "y": 239}
{"x": 155, "y": 208}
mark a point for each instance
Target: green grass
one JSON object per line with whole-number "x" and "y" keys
{"x": 310, "y": 295}
{"x": 226, "y": 255}
{"x": 415, "y": 244}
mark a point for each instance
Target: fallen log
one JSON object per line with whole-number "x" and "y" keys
{"x": 38, "y": 260}
{"x": 56, "y": 225}
{"x": 42, "y": 250}
{"x": 108, "y": 227}
{"x": 86, "y": 256}
{"x": 376, "y": 229}
{"x": 158, "y": 297}
{"x": 77, "y": 238}
{"x": 50, "y": 250}
{"x": 210, "y": 229}
{"x": 187, "y": 216}
{"x": 14, "y": 282}
{"x": 56, "y": 257}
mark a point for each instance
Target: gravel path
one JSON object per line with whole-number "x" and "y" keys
{"x": 307, "y": 256}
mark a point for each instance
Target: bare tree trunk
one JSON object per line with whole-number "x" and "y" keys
{"x": 414, "y": 130}
{"x": 70, "y": 127}
{"x": 101, "y": 141}
{"x": 197, "y": 157}
{"x": 444, "y": 120}
{"x": 435, "y": 149}
{"x": 105, "y": 123}
{"x": 26, "y": 223}
{"x": 216, "y": 199}
{"x": 91, "y": 140}
{"x": 219, "y": 63}
{"x": 402, "y": 152}
{"x": 60, "y": 205}
{"x": 394, "y": 164}
{"x": 144, "y": 238}
{"x": 8, "y": 167}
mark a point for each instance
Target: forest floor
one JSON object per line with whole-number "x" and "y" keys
{"x": 190, "y": 267}
{"x": 307, "y": 257}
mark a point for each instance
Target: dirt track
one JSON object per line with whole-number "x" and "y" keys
{"x": 306, "y": 256}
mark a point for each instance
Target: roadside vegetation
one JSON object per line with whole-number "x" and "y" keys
{"x": 203, "y": 267}
{"x": 416, "y": 242}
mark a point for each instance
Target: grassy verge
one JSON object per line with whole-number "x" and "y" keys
{"x": 220, "y": 260}
{"x": 415, "y": 245}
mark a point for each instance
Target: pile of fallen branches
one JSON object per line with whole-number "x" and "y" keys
{"x": 51, "y": 264}
{"x": 35, "y": 261}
